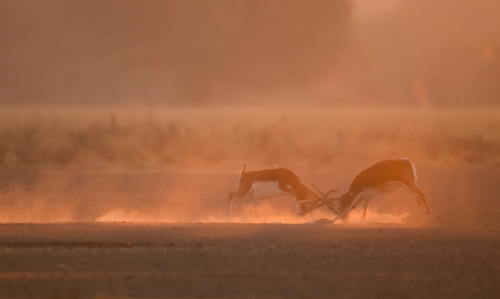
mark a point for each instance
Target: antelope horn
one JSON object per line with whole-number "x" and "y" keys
{"x": 327, "y": 193}
{"x": 325, "y": 200}
{"x": 318, "y": 190}
{"x": 325, "y": 196}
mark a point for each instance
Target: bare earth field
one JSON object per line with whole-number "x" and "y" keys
{"x": 176, "y": 241}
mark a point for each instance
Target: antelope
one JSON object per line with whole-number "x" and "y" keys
{"x": 276, "y": 182}
{"x": 384, "y": 177}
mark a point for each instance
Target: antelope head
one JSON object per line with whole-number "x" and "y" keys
{"x": 323, "y": 200}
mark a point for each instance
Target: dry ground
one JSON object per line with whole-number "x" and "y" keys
{"x": 194, "y": 253}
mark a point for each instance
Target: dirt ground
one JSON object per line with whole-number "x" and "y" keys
{"x": 187, "y": 249}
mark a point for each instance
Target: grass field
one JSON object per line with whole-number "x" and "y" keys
{"x": 222, "y": 137}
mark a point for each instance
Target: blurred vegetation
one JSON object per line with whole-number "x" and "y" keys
{"x": 225, "y": 137}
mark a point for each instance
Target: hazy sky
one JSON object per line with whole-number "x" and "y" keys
{"x": 407, "y": 52}
{"x": 372, "y": 9}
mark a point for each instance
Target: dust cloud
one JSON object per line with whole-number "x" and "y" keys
{"x": 162, "y": 197}
{"x": 179, "y": 164}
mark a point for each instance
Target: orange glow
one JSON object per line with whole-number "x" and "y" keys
{"x": 148, "y": 108}
{"x": 180, "y": 164}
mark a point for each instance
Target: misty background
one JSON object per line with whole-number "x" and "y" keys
{"x": 408, "y": 52}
